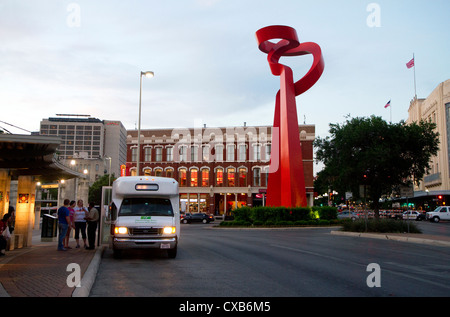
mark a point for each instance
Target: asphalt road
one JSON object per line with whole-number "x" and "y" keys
{"x": 278, "y": 263}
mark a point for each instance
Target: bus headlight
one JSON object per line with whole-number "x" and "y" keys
{"x": 169, "y": 230}
{"x": 120, "y": 230}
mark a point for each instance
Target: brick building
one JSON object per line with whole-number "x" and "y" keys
{"x": 218, "y": 169}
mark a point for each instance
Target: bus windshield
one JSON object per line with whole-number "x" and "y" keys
{"x": 150, "y": 206}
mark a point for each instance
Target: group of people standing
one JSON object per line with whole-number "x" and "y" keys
{"x": 79, "y": 218}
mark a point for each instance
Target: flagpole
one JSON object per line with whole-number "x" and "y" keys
{"x": 415, "y": 92}
{"x": 390, "y": 109}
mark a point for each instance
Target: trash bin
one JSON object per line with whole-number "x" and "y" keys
{"x": 49, "y": 226}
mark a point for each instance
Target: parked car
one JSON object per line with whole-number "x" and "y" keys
{"x": 413, "y": 215}
{"x": 196, "y": 217}
{"x": 346, "y": 214}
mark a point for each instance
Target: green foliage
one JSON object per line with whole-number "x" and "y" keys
{"x": 328, "y": 213}
{"x": 374, "y": 153}
{"x": 282, "y": 216}
{"x": 379, "y": 226}
{"x": 95, "y": 191}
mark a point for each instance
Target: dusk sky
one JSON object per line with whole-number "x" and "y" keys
{"x": 85, "y": 57}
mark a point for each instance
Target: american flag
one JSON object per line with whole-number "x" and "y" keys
{"x": 410, "y": 63}
{"x": 388, "y": 104}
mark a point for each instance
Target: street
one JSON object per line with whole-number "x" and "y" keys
{"x": 278, "y": 263}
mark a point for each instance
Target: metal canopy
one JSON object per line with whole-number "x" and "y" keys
{"x": 33, "y": 155}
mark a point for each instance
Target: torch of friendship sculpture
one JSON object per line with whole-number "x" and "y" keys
{"x": 286, "y": 182}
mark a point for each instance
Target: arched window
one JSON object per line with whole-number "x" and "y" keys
{"x": 158, "y": 171}
{"x": 242, "y": 177}
{"x": 231, "y": 174}
{"x": 205, "y": 177}
{"x": 194, "y": 177}
{"x": 182, "y": 177}
{"x": 147, "y": 171}
{"x": 169, "y": 172}
{"x": 219, "y": 177}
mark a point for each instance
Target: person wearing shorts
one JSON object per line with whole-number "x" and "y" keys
{"x": 79, "y": 218}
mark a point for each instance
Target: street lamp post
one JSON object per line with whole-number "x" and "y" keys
{"x": 109, "y": 172}
{"x": 148, "y": 74}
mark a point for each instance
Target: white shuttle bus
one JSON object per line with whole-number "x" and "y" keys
{"x": 145, "y": 214}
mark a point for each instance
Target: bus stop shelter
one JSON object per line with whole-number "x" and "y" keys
{"x": 27, "y": 159}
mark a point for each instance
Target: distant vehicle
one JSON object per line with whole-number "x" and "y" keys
{"x": 196, "y": 217}
{"x": 346, "y": 214}
{"x": 440, "y": 213}
{"x": 413, "y": 215}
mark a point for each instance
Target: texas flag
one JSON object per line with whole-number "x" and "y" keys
{"x": 388, "y": 104}
{"x": 410, "y": 63}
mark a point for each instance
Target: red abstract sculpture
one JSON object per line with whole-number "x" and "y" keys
{"x": 286, "y": 183}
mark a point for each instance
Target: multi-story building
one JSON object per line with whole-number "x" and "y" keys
{"x": 218, "y": 169}
{"x": 435, "y": 187}
{"x": 91, "y": 146}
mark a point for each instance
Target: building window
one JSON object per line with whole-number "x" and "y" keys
{"x": 219, "y": 153}
{"x": 203, "y": 203}
{"x": 266, "y": 175}
{"x": 205, "y": 177}
{"x": 147, "y": 154}
{"x": 257, "y": 177}
{"x": 194, "y": 153}
{"x": 256, "y": 152}
{"x": 205, "y": 153}
{"x": 182, "y": 176}
{"x": 158, "y": 155}
{"x": 158, "y": 171}
{"x": 231, "y": 177}
{"x": 268, "y": 151}
{"x": 169, "y": 154}
{"x": 219, "y": 177}
{"x": 230, "y": 153}
{"x": 169, "y": 172}
{"x": 183, "y": 153}
{"x": 194, "y": 177}
{"x": 242, "y": 153}
{"x": 133, "y": 154}
{"x": 242, "y": 177}
{"x": 147, "y": 171}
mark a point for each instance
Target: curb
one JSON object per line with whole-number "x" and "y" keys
{"x": 392, "y": 237}
{"x": 89, "y": 276}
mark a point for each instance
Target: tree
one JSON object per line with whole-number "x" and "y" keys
{"x": 381, "y": 156}
{"x": 95, "y": 191}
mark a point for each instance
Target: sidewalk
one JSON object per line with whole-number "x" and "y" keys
{"x": 41, "y": 271}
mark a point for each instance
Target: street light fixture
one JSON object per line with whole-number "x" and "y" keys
{"x": 109, "y": 172}
{"x": 147, "y": 74}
